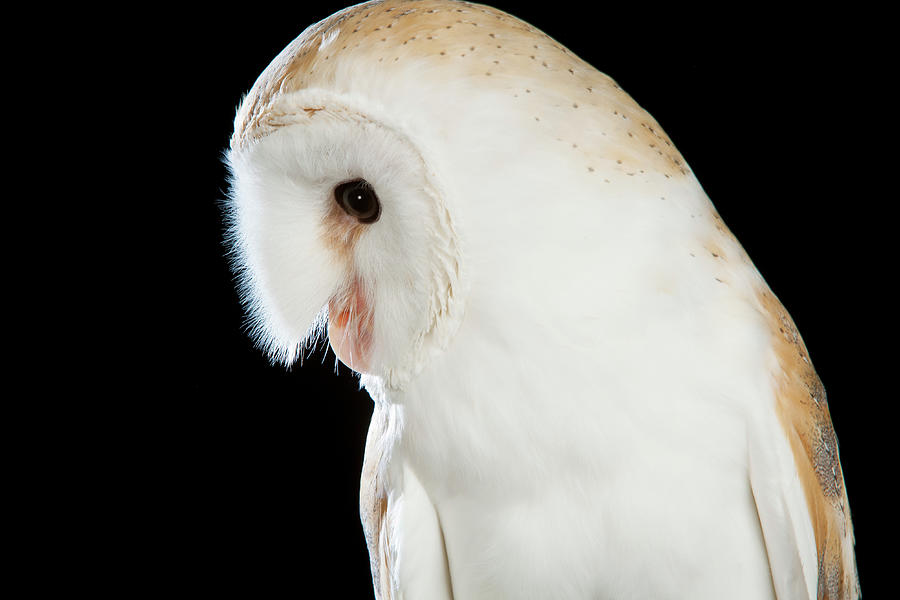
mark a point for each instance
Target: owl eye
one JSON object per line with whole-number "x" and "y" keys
{"x": 359, "y": 200}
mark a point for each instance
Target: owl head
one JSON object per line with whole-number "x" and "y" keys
{"x": 403, "y": 163}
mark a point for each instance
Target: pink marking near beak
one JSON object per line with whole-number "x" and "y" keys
{"x": 350, "y": 328}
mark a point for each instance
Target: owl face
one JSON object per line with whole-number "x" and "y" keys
{"x": 337, "y": 225}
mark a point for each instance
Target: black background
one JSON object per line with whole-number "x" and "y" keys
{"x": 206, "y": 469}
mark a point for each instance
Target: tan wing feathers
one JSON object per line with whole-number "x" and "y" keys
{"x": 373, "y": 506}
{"x": 803, "y": 412}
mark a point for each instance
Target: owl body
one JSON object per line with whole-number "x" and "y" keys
{"x": 604, "y": 477}
{"x": 583, "y": 387}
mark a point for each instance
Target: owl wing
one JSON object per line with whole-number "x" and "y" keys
{"x": 796, "y": 477}
{"x": 407, "y": 554}
{"x": 373, "y": 506}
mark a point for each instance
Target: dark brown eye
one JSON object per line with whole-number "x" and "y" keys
{"x": 359, "y": 200}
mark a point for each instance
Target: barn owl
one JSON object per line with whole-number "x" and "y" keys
{"x": 583, "y": 387}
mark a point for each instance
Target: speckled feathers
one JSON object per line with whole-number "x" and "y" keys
{"x": 460, "y": 40}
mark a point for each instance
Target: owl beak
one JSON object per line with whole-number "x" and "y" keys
{"x": 350, "y": 327}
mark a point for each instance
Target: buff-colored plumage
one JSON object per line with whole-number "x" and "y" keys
{"x": 583, "y": 387}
